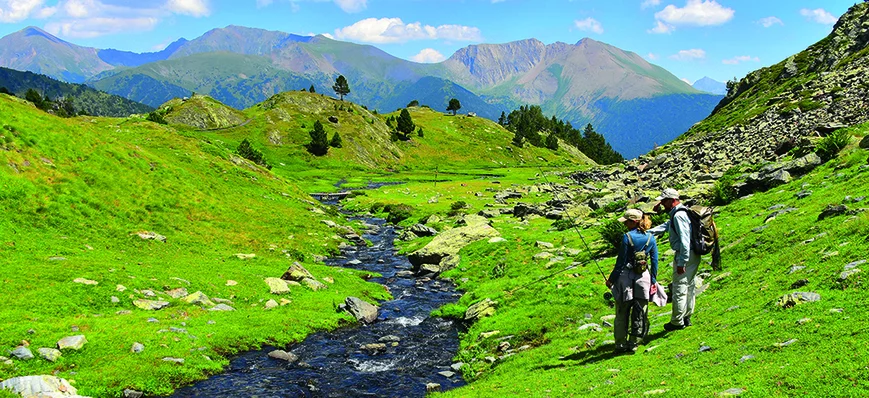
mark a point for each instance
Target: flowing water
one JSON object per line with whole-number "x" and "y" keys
{"x": 331, "y": 364}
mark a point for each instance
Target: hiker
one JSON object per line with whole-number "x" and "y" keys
{"x": 633, "y": 281}
{"x": 685, "y": 262}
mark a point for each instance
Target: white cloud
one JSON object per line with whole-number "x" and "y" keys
{"x": 589, "y": 25}
{"x": 18, "y": 10}
{"x": 650, "y": 3}
{"x": 688, "y": 55}
{"x": 95, "y": 27}
{"x": 739, "y": 59}
{"x": 194, "y": 8}
{"x": 661, "y": 28}
{"x": 263, "y": 3}
{"x": 94, "y": 18}
{"x": 770, "y": 21}
{"x": 352, "y": 6}
{"x": 394, "y": 30}
{"x": 819, "y": 15}
{"x": 686, "y": 81}
{"x": 695, "y": 13}
{"x": 428, "y": 56}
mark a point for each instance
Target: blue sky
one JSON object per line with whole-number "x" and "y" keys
{"x": 691, "y": 38}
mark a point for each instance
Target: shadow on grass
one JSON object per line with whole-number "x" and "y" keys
{"x": 601, "y": 353}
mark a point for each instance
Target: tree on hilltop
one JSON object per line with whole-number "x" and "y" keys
{"x": 405, "y": 124}
{"x": 319, "y": 141}
{"x": 341, "y": 87}
{"x": 454, "y": 106}
{"x": 413, "y": 103}
{"x": 312, "y": 90}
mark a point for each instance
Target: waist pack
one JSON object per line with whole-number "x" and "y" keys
{"x": 640, "y": 259}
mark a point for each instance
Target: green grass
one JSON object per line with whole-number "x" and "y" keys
{"x": 736, "y": 316}
{"x": 83, "y": 186}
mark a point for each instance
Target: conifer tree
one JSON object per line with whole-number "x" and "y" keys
{"x": 341, "y": 87}
{"x": 552, "y": 142}
{"x": 454, "y": 105}
{"x": 319, "y": 141}
{"x": 336, "y": 141}
{"x": 405, "y": 123}
{"x": 312, "y": 90}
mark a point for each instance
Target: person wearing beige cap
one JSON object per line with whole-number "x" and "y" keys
{"x": 633, "y": 281}
{"x": 685, "y": 262}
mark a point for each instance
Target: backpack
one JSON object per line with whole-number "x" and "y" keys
{"x": 640, "y": 262}
{"x": 704, "y": 233}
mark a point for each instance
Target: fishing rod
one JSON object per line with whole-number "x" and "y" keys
{"x": 573, "y": 223}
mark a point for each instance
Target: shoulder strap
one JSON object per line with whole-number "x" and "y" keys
{"x": 630, "y": 241}
{"x": 648, "y": 239}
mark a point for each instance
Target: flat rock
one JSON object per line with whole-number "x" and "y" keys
{"x": 198, "y": 298}
{"x": 847, "y": 274}
{"x": 731, "y": 392}
{"x": 786, "y": 343}
{"x": 447, "y": 373}
{"x": 277, "y": 286}
{"x": 49, "y": 354}
{"x": 137, "y": 348}
{"x": 795, "y": 298}
{"x": 284, "y": 356}
{"x": 313, "y": 284}
{"x": 72, "y": 342}
{"x": 481, "y": 309}
{"x": 451, "y": 241}
{"x": 150, "y": 305}
{"x": 544, "y": 245}
{"x": 245, "y": 256}
{"x": 497, "y": 239}
{"x": 432, "y": 387}
{"x": 177, "y": 293}
{"x": 271, "y": 304}
{"x": 148, "y": 235}
{"x": 173, "y": 359}
{"x": 128, "y": 393}
{"x": 231, "y": 283}
{"x": 297, "y": 273}
{"x": 221, "y": 307}
{"x": 84, "y": 281}
{"x": 40, "y": 387}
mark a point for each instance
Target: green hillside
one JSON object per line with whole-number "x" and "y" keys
{"x": 84, "y": 99}
{"x": 75, "y": 195}
{"x": 201, "y": 112}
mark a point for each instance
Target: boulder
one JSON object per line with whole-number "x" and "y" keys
{"x": 796, "y": 298}
{"x": 21, "y": 352}
{"x": 148, "y": 235}
{"x": 221, "y": 307}
{"x": 407, "y": 236}
{"x": 284, "y": 356}
{"x": 150, "y": 305}
{"x": 137, "y": 348}
{"x": 422, "y": 230}
{"x": 361, "y": 310}
{"x": 177, "y": 293}
{"x": 271, "y": 304}
{"x": 480, "y": 309}
{"x": 803, "y": 165}
{"x": 245, "y": 256}
{"x": 277, "y": 286}
{"x": 502, "y": 196}
{"x": 832, "y": 211}
{"x": 864, "y": 143}
{"x": 72, "y": 342}
{"x": 333, "y": 119}
{"x": 450, "y": 242}
{"x": 524, "y": 210}
{"x": 84, "y": 281}
{"x": 49, "y": 354}
{"x": 40, "y": 386}
{"x": 297, "y": 273}
{"x": 128, "y": 393}
{"x": 489, "y": 213}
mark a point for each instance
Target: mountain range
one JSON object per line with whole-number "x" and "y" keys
{"x": 710, "y": 85}
{"x": 630, "y": 101}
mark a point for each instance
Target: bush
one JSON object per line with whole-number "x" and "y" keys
{"x": 723, "y": 192}
{"x": 830, "y": 145}
{"x": 562, "y": 224}
{"x": 612, "y": 232}
{"x": 398, "y": 213}
{"x": 456, "y": 208}
{"x": 809, "y": 105}
{"x": 156, "y": 117}
{"x": 247, "y": 151}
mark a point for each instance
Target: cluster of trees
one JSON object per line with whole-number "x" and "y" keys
{"x": 530, "y": 126}
{"x": 320, "y": 142}
{"x": 403, "y": 126}
{"x": 247, "y": 151}
{"x": 61, "y": 106}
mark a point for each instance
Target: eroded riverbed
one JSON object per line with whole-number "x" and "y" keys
{"x": 419, "y": 349}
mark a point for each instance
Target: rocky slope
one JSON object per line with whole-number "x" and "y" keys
{"x": 772, "y": 116}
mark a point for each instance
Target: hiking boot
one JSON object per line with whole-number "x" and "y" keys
{"x": 687, "y": 321}
{"x": 671, "y": 327}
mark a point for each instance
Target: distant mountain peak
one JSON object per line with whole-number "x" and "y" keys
{"x": 31, "y": 31}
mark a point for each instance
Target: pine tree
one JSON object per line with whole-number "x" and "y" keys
{"x": 503, "y": 119}
{"x": 319, "y": 141}
{"x": 552, "y": 142}
{"x": 336, "y": 141}
{"x": 405, "y": 124}
{"x": 413, "y": 103}
{"x": 454, "y": 106}
{"x": 312, "y": 90}
{"x": 420, "y": 133}
{"x": 341, "y": 87}
{"x": 34, "y": 97}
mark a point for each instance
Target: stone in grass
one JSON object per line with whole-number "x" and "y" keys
{"x": 590, "y": 326}
{"x": 49, "y": 354}
{"x": 832, "y": 211}
{"x": 284, "y": 356}
{"x": 746, "y": 358}
{"x": 137, "y": 348}
{"x": 84, "y": 281}
{"x": 245, "y": 256}
{"x": 277, "y": 286}
{"x": 795, "y": 298}
{"x": 198, "y": 298}
{"x": 854, "y": 264}
{"x": 705, "y": 348}
{"x": 481, "y": 309}
{"x": 847, "y": 274}
{"x": 457, "y": 366}
{"x": 731, "y": 392}
{"x": 313, "y": 284}
{"x": 221, "y": 307}
{"x": 179, "y": 361}
{"x": 72, "y": 342}
{"x": 177, "y": 293}
{"x": 786, "y": 343}
{"x": 271, "y": 304}
{"x": 150, "y": 305}
{"x": 21, "y": 352}
{"x": 655, "y": 392}
{"x": 231, "y": 282}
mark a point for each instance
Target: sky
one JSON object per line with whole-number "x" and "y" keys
{"x": 722, "y": 39}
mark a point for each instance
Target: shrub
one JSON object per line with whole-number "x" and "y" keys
{"x": 830, "y": 145}
{"x": 562, "y": 224}
{"x": 247, "y": 151}
{"x": 398, "y": 213}
{"x": 723, "y": 192}
{"x": 809, "y": 105}
{"x": 156, "y": 117}
{"x": 611, "y": 232}
{"x": 456, "y": 208}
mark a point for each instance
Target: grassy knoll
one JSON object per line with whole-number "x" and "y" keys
{"x": 74, "y": 192}
{"x": 736, "y": 317}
